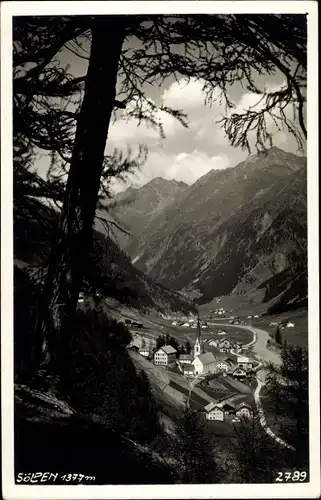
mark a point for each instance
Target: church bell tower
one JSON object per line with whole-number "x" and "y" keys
{"x": 198, "y": 346}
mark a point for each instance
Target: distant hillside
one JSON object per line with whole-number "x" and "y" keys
{"x": 233, "y": 231}
{"x": 135, "y": 208}
{"x": 110, "y": 269}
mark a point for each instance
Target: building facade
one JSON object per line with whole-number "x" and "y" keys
{"x": 214, "y": 412}
{"x": 188, "y": 369}
{"x": 244, "y": 362}
{"x": 239, "y": 373}
{"x": 165, "y": 355}
{"x": 204, "y": 363}
{"x": 185, "y": 359}
{"x": 243, "y": 410}
{"x": 224, "y": 365}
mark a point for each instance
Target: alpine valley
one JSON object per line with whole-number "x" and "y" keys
{"x": 241, "y": 231}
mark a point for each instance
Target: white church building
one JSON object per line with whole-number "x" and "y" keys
{"x": 203, "y": 362}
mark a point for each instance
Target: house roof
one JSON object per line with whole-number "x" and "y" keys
{"x": 228, "y": 406}
{"x": 211, "y": 406}
{"x": 227, "y": 360}
{"x": 207, "y": 358}
{"x": 187, "y": 368}
{"x": 235, "y": 399}
{"x": 185, "y": 356}
{"x": 168, "y": 349}
{"x": 244, "y": 404}
{"x": 243, "y": 359}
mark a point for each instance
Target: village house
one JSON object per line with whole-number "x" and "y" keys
{"x": 223, "y": 348}
{"x": 214, "y": 412}
{"x": 221, "y": 332}
{"x": 204, "y": 363}
{"x": 213, "y": 343}
{"x": 239, "y": 373}
{"x": 187, "y": 369}
{"x": 144, "y": 352}
{"x": 243, "y": 410}
{"x": 224, "y": 364}
{"x": 185, "y": 358}
{"x": 225, "y": 345}
{"x": 228, "y": 409}
{"x": 165, "y": 355}
{"x": 245, "y": 363}
{"x": 290, "y": 324}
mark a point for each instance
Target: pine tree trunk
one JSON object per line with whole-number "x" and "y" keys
{"x": 71, "y": 248}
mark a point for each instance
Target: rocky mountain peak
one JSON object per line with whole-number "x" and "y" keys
{"x": 227, "y": 227}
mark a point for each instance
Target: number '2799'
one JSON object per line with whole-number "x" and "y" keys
{"x": 295, "y": 476}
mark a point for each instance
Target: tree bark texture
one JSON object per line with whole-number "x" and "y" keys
{"x": 72, "y": 244}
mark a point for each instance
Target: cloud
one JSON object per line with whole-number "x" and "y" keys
{"x": 186, "y": 154}
{"x": 185, "y": 95}
{"x": 186, "y": 167}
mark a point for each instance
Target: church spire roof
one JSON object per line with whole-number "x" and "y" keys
{"x": 199, "y": 333}
{"x": 198, "y": 346}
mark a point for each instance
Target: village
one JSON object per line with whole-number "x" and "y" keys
{"x": 214, "y": 376}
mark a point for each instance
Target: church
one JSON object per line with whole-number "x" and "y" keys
{"x": 203, "y": 362}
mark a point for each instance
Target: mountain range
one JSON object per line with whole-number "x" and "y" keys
{"x": 109, "y": 269}
{"x": 241, "y": 230}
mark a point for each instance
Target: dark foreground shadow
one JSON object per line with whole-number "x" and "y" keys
{"x": 74, "y": 445}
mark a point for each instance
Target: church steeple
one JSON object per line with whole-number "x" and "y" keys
{"x": 198, "y": 346}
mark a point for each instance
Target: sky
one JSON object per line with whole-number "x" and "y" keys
{"x": 185, "y": 154}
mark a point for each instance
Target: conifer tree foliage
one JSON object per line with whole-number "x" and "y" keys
{"x": 102, "y": 379}
{"x": 194, "y": 449}
{"x": 216, "y": 49}
{"x": 257, "y": 456}
{"x": 167, "y": 340}
{"x": 188, "y": 347}
{"x": 287, "y": 386}
{"x": 25, "y": 311}
{"x": 278, "y": 336}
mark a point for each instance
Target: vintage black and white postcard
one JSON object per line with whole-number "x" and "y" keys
{"x": 159, "y": 293}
